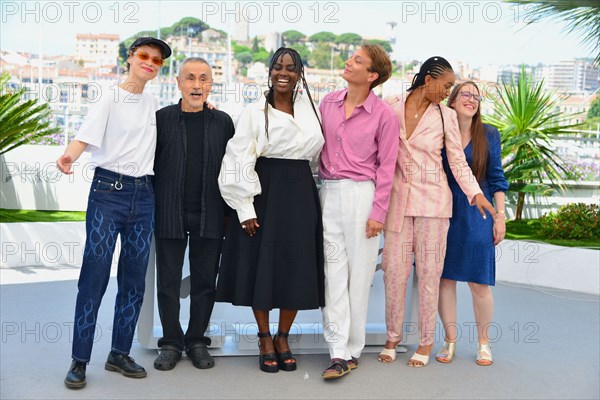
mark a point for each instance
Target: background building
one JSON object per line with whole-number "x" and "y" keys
{"x": 273, "y": 41}
{"x": 571, "y": 76}
{"x": 97, "y": 50}
{"x": 241, "y": 30}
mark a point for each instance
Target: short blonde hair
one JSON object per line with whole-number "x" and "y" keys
{"x": 380, "y": 63}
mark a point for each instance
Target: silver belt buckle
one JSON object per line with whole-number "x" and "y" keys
{"x": 118, "y": 185}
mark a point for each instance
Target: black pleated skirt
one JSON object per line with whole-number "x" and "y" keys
{"x": 281, "y": 266}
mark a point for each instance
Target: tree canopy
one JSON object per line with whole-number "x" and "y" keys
{"x": 594, "y": 110}
{"x": 323, "y": 37}
{"x": 187, "y": 26}
{"x": 348, "y": 38}
{"x": 321, "y": 57}
{"x": 291, "y": 37}
{"x": 383, "y": 43}
{"x": 302, "y": 50}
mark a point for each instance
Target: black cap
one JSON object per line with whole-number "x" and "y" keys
{"x": 165, "y": 50}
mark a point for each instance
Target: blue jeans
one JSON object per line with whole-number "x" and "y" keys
{"x": 117, "y": 204}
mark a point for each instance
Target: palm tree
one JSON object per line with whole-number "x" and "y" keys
{"x": 21, "y": 121}
{"x": 528, "y": 119}
{"x": 582, "y": 17}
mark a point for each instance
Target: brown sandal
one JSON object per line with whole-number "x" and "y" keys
{"x": 337, "y": 369}
{"x": 352, "y": 363}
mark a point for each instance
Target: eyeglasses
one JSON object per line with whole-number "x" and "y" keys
{"x": 142, "y": 55}
{"x": 468, "y": 95}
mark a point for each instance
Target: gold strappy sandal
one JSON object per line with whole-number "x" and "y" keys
{"x": 484, "y": 355}
{"x": 446, "y": 353}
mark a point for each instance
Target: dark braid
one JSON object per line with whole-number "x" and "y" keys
{"x": 312, "y": 103}
{"x": 434, "y": 66}
{"x": 299, "y": 69}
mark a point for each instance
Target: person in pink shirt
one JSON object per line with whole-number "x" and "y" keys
{"x": 421, "y": 203}
{"x": 356, "y": 171}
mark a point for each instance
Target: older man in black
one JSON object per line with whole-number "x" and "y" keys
{"x": 190, "y": 146}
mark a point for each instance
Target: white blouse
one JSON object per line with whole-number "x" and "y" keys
{"x": 297, "y": 137}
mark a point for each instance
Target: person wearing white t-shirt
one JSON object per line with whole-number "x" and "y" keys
{"x": 120, "y": 133}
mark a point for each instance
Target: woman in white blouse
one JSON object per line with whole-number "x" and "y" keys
{"x": 273, "y": 250}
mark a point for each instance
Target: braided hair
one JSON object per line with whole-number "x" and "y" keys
{"x": 299, "y": 69}
{"x": 434, "y": 66}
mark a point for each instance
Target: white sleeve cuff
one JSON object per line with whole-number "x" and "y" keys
{"x": 246, "y": 212}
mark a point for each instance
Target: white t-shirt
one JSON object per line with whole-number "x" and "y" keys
{"x": 120, "y": 130}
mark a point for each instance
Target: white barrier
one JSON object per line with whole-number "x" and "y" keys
{"x": 546, "y": 265}
{"x": 531, "y": 263}
{"x": 29, "y": 180}
{"x": 41, "y": 243}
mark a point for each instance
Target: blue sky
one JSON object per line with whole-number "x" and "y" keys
{"x": 478, "y": 32}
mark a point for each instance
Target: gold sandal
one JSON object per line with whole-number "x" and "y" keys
{"x": 446, "y": 353}
{"x": 484, "y": 355}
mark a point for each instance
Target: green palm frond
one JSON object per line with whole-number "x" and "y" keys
{"x": 582, "y": 17}
{"x": 528, "y": 121}
{"x": 21, "y": 121}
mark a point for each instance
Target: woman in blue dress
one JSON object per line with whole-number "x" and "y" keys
{"x": 470, "y": 253}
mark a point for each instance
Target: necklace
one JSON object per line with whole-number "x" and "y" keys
{"x": 418, "y": 108}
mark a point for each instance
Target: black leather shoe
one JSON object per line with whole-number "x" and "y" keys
{"x": 124, "y": 365}
{"x": 76, "y": 376}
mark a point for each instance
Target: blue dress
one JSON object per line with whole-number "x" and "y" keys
{"x": 470, "y": 251}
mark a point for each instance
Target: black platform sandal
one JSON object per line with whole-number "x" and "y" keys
{"x": 284, "y": 356}
{"x": 263, "y": 359}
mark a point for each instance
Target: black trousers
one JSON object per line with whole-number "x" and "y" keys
{"x": 204, "y": 256}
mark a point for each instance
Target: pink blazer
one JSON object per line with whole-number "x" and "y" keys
{"x": 420, "y": 187}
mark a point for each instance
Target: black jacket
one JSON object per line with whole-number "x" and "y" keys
{"x": 170, "y": 166}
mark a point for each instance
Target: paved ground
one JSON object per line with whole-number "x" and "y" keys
{"x": 547, "y": 347}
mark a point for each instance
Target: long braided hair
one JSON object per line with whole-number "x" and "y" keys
{"x": 434, "y": 66}
{"x": 299, "y": 69}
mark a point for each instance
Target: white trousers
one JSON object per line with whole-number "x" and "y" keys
{"x": 350, "y": 260}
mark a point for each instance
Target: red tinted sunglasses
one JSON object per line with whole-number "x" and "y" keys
{"x": 142, "y": 55}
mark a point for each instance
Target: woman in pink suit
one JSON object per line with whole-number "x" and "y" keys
{"x": 421, "y": 202}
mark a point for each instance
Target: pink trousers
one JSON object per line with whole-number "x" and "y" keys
{"x": 424, "y": 239}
